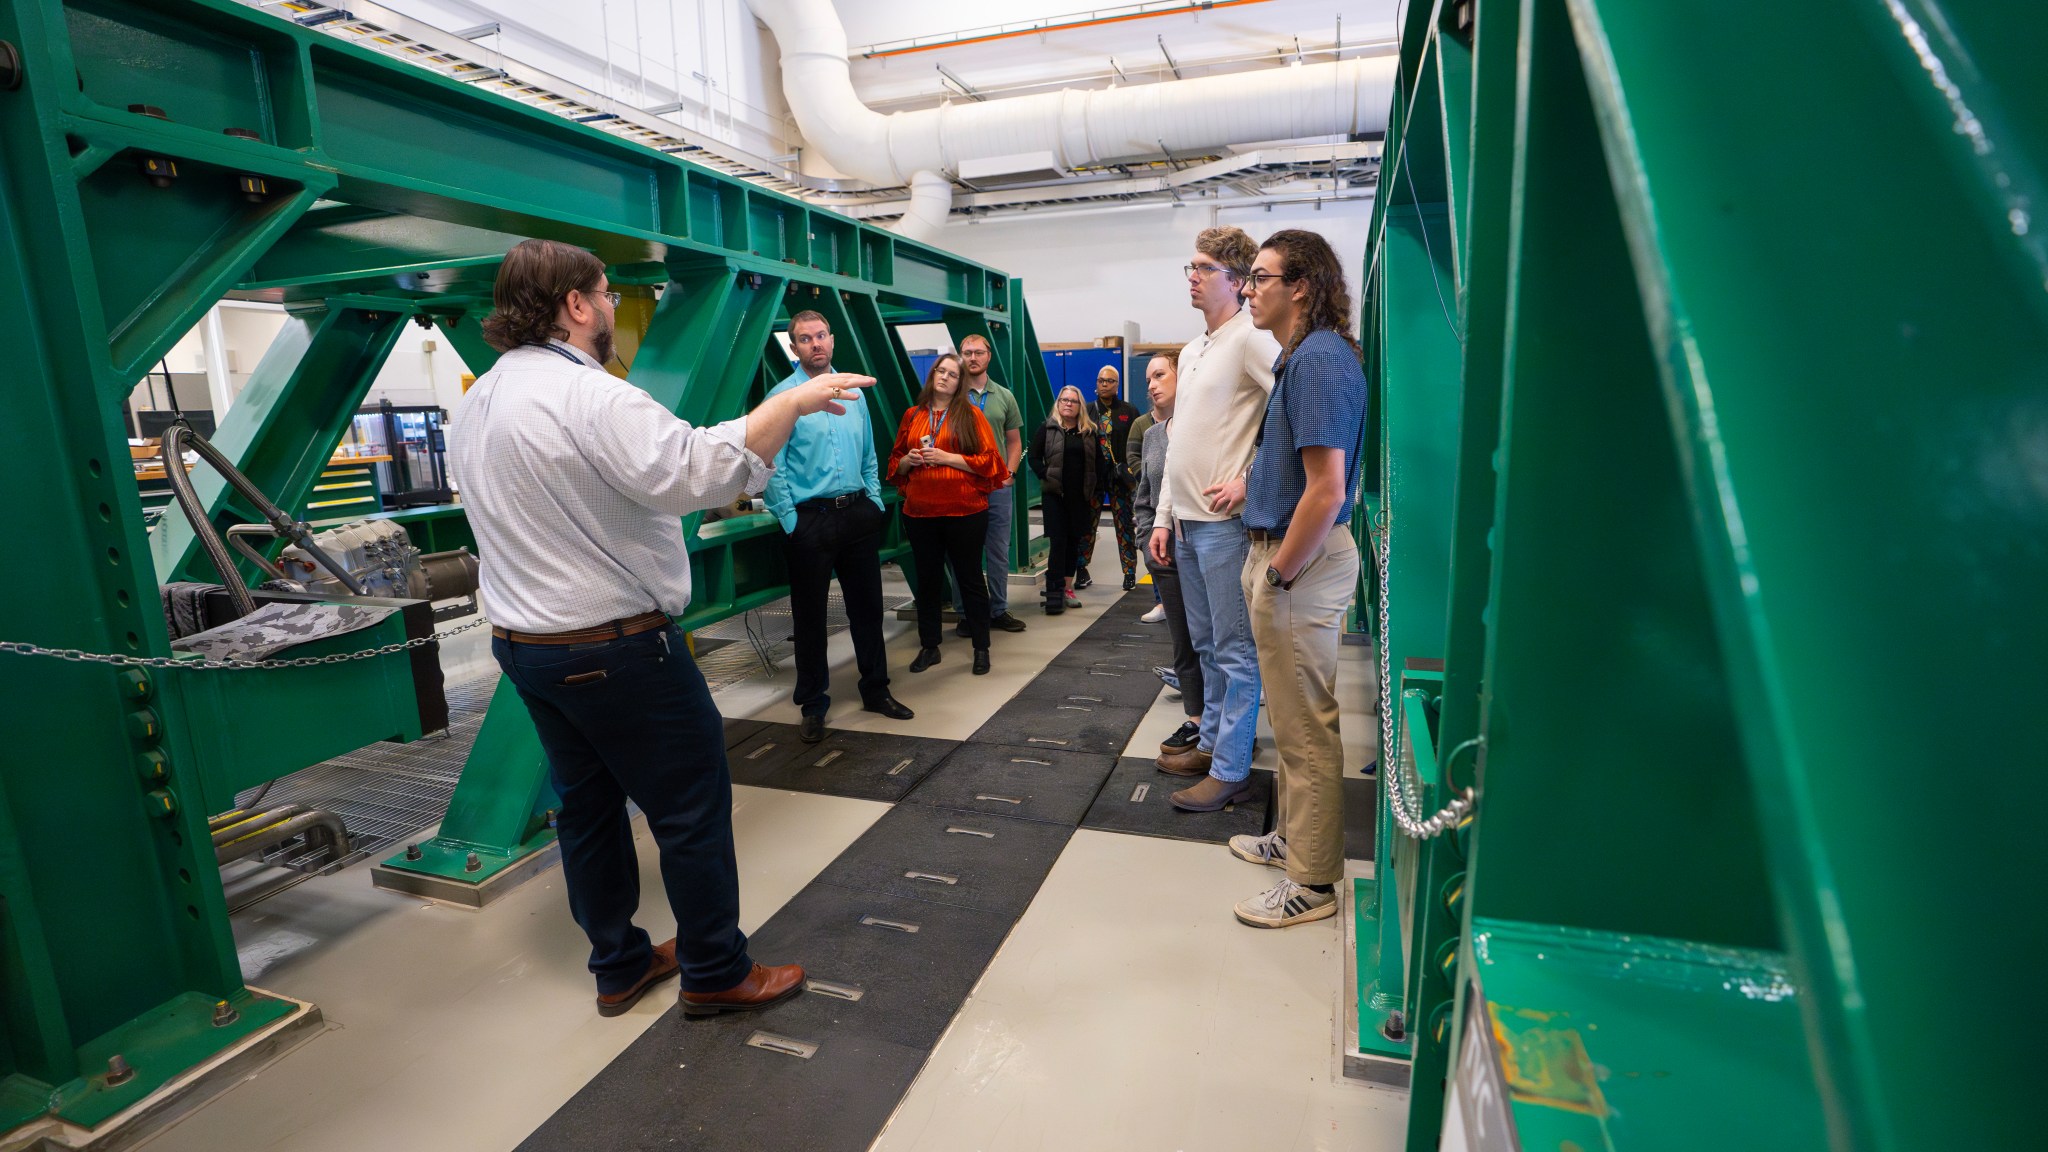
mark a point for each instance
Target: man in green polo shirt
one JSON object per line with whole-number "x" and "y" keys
{"x": 1006, "y": 419}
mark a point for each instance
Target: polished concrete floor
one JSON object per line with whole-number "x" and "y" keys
{"x": 1128, "y": 1009}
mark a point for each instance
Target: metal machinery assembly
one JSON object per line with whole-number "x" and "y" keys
{"x": 1707, "y": 460}
{"x": 155, "y": 157}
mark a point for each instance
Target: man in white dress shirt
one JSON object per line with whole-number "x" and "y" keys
{"x": 575, "y": 482}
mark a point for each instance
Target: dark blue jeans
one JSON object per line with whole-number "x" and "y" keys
{"x": 633, "y": 719}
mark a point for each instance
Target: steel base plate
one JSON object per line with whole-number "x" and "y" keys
{"x": 178, "y": 1099}
{"x": 462, "y": 893}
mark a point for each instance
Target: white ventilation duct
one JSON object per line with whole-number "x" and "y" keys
{"x": 1078, "y": 128}
{"x": 931, "y": 200}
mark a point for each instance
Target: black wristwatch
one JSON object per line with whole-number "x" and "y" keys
{"x": 1273, "y": 579}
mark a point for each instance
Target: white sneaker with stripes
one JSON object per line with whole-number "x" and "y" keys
{"x": 1286, "y": 904}
{"x": 1269, "y": 849}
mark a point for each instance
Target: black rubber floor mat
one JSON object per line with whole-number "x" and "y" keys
{"x": 1072, "y": 685}
{"x": 738, "y": 731}
{"x": 912, "y": 962}
{"x": 862, "y": 765}
{"x": 694, "y": 1086}
{"x": 1361, "y": 817}
{"x": 1128, "y": 629}
{"x": 820, "y": 1073}
{"x": 1134, "y": 801}
{"x": 1091, "y": 655}
{"x": 942, "y": 856}
{"x": 1060, "y": 726}
{"x": 1021, "y": 782}
{"x": 756, "y": 759}
{"x": 1116, "y": 648}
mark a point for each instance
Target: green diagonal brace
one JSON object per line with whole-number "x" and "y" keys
{"x": 284, "y": 426}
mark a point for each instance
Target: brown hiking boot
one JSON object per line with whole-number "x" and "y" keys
{"x": 1211, "y": 795}
{"x": 1189, "y": 761}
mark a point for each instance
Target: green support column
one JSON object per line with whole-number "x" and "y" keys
{"x": 113, "y": 931}
{"x": 155, "y": 155}
{"x": 698, "y": 358}
{"x": 282, "y": 429}
{"x": 1476, "y": 71}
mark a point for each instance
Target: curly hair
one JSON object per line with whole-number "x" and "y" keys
{"x": 533, "y": 279}
{"x": 1231, "y": 247}
{"x": 1305, "y": 256}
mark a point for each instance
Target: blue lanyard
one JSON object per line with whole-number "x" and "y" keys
{"x": 938, "y": 422}
{"x": 978, "y": 399}
{"x": 563, "y": 353}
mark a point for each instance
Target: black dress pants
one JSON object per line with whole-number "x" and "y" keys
{"x": 1187, "y": 663}
{"x": 632, "y": 719}
{"x": 935, "y": 543}
{"x": 846, "y": 541}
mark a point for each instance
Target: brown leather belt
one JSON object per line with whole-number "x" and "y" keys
{"x": 616, "y": 630}
{"x": 1261, "y": 536}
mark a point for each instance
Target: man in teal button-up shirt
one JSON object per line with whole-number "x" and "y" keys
{"x": 826, "y": 492}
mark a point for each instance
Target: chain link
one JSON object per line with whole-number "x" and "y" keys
{"x": 1406, "y": 807}
{"x": 80, "y": 656}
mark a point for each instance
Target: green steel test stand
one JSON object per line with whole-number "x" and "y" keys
{"x": 156, "y": 157}
{"x": 1709, "y": 347}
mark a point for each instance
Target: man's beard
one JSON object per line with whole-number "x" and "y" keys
{"x": 602, "y": 340}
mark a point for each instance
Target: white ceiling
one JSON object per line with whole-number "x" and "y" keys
{"x": 701, "y": 78}
{"x": 1265, "y": 33}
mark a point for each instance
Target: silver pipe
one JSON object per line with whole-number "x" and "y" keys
{"x": 254, "y": 822}
{"x": 316, "y": 821}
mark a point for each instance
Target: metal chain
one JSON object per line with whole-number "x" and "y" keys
{"x": 79, "y": 656}
{"x": 1396, "y": 773}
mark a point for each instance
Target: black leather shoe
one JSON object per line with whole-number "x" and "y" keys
{"x": 1006, "y": 622}
{"x": 812, "y": 730}
{"x": 981, "y": 661}
{"x": 926, "y": 657}
{"x": 890, "y": 707}
{"x": 1082, "y": 579}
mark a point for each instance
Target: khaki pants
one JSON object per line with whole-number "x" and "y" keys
{"x": 1297, "y": 632}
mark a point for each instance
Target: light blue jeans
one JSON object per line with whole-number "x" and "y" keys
{"x": 1002, "y": 505}
{"x": 1211, "y": 556}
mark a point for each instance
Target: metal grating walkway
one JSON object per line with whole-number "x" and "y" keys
{"x": 385, "y": 792}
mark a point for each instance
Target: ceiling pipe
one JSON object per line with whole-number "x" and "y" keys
{"x": 1079, "y": 128}
{"x": 931, "y": 201}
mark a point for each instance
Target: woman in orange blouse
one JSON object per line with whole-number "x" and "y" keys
{"x": 946, "y": 461}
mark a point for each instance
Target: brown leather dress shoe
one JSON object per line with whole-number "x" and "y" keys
{"x": 1190, "y": 761}
{"x": 764, "y": 986}
{"x": 660, "y": 968}
{"x": 1211, "y": 795}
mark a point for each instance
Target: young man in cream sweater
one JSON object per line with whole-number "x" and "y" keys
{"x": 1226, "y": 376}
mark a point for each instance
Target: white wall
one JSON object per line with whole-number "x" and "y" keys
{"x": 1084, "y": 275}
{"x": 416, "y": 376}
